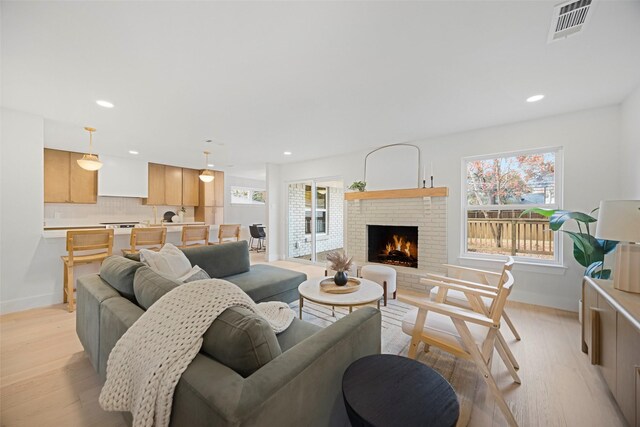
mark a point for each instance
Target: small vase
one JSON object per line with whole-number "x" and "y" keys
{"x": 181, "y": 215}
{"x": 341, "y": 278}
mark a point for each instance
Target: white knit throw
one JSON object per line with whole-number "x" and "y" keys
{"x": 146, "y": 363}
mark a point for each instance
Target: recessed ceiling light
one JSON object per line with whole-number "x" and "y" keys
{"x": 535, "y": 98}
{"x": 287, "y": 153}
{"x": 133, "y": 152}
{"x": 210, "y": 165}
{"x": 103, "y": 103}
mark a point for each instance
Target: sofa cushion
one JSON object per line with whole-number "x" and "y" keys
{"x": 241, "y": 340}
{"x": 298, "y": 331}
{"x": 118, "y": 272}
{"x": 220, "y": 261}
{"x": 269, "y": 283}
{"x": 168, "y": 261}
{"x": 150, "y": 286}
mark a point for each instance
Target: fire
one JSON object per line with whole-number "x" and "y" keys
{"x": 399, "y": 244}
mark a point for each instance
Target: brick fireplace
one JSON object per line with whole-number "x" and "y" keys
{"x": 418, "y": 223}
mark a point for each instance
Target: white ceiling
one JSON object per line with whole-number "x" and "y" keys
{"x": 315, "y": 78}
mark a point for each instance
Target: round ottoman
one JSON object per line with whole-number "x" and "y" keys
{"x": 382, "y": 275}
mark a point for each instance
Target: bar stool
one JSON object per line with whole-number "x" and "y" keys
{"x": 228, "y": 231}
{"x": 83, "y": 240}
{"x": 146, "y": 237}
{"x": 195, "y": 233}
{"x": 382, "y": 275}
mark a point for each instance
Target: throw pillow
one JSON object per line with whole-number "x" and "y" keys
{"x": 169, "y": 261}
{"x": 241, "y": 340}
{"x": 196, "y": 273}
{"x": 150, "y": 286}
{"x": 119, "y": 272}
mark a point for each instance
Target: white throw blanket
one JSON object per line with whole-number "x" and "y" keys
{"x": 146, "y": 363}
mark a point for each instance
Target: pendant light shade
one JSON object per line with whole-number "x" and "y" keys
{"x": 90, "y": 161}
{"x": 206, "y": 175}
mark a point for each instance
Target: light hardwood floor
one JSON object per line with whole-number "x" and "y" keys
{"x": 46, "y": 380}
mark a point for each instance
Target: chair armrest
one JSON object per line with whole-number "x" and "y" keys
{"x": 472, "y": 270}
{"x": 465, "y": 283}
{"x": 461, "y": 288}
{"x": 448, "y": 310}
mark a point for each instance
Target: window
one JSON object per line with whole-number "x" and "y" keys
{"x": 497, "y": 189}
{"x": 247, "y": 196}
{"x": 322, "y": 202}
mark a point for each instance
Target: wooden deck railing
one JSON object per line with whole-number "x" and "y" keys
{"x": 510, "y": 236}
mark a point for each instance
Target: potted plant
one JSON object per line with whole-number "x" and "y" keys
{"x": 341, "y": 263}
{"x": 588, "y": 251}
{"x": 358, "y": 185}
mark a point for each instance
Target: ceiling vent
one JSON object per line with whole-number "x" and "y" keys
{"x": 569, "y": 18}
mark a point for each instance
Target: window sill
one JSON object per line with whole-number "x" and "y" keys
{"x": 521, "y": 265}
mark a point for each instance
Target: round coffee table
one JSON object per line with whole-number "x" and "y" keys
{"x": 387, "y": 390}
{"x": 368, "y": 293}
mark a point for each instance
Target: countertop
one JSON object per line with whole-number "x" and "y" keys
{"x": 61, "y": 231}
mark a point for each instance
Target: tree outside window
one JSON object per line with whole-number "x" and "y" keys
{"x": 498, "y": 189}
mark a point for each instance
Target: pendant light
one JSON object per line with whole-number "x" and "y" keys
{"x": 206, "y": 175}
{"x": 90, "y": 161}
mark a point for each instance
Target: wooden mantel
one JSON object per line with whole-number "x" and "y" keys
{"x": 407, "y": 193}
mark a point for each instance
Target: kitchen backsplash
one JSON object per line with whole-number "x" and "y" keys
{"x": 107, "y": 209}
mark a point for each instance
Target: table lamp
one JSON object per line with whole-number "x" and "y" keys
{"x": 620, "y": 220}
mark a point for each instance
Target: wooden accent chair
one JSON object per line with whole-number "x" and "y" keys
{"x": 100, "y": 245}
{"x": 152, "y": 238}
{"x": 195, "y": 235}
{"x": 228, "y": 231}
{"x": 481, "y": 280}
{"x": 463, "y": 332}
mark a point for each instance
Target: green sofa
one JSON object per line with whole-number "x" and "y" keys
{"x": 241, "y": 377}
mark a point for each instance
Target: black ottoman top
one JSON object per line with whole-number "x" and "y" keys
{"x": 387, "y": 390}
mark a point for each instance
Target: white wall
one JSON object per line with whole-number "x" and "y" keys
{"x": 243, "y": 214}
{"x": 591, "y": 141}
{"x": 23, "y": 282}
{"x": 630, "y": 147}
{"x": 275, "y": 213}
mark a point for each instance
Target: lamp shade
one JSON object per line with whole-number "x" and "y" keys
{"x": 206, "y": 176}
{"x": 619, "y": 220}
{"x": 89, "y": 162}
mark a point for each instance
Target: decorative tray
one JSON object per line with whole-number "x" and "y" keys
{"x": 328, "y": 285}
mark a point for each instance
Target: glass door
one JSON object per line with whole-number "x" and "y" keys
{"x": 315, "y": 219}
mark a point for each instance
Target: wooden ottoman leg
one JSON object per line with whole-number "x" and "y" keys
{"x": 384, "y": 287}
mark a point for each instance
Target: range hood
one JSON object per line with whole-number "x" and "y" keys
{"x": 123, "y": 177}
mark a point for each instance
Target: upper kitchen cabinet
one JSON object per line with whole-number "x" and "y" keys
{"x": 156, "y": 185}
{"x": 212, "y": 193}
{"x": 172, "y": 186}
{"x": 65, "y": 181}
{"x": 190, "y": 187}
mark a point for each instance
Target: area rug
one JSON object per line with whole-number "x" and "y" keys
{"x": 461, "y": 374}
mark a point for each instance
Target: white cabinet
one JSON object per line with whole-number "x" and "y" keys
{"x": 122, "y": 177}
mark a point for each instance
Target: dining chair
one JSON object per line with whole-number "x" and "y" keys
{"x": 463, "y": 332}
{"x": 83, "y": 247}
{"x": 195, "y": 235}
{"x": 152, "y": 238}
{"x": 256, "y": 232}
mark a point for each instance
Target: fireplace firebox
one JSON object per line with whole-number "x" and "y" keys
{"x": 394, "y": 245}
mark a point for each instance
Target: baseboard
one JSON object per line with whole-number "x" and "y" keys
{"x": 26, "y": 303}
{"x": 553, "y": 301}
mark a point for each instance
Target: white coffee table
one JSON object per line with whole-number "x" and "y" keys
{"x": 368, "y": 293}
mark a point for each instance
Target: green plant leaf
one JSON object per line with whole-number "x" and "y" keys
{"x": 586, "y": 249}
{"x": 540, "y": 211}
{"x": 595, "y": 271}
{"x": 608, "y": 245}
{"x": 558, "y": 219}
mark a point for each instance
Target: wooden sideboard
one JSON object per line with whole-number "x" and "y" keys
{"x": 611, "y": 338}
